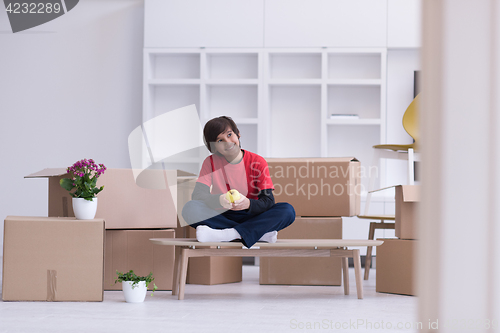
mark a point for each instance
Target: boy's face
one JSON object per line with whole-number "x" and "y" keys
{"x": 228, "y": 143}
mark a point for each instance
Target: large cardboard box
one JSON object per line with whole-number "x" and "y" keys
{"x": 52, "y": 259}
{"x": 407, "y": 198}
{"x": 131, "y": 249}
{"x": 125, "y": 202}
{"x": 396, "y": 266}
{"x": 305, "y": 271}
{"x": 318, "y": 186}
{"x": 213, "y": 270}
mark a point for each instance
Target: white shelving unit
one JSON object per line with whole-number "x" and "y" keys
{"x": 281, "y": 99}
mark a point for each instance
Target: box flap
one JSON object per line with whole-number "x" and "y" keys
{"x": 411, "y": 193}
{"x": 49, "y": 172}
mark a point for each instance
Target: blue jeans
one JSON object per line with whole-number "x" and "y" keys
{"x": 250, "y": 227}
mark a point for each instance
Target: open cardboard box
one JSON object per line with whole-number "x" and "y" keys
{"x": 406, "y": 199}
{"x": 327, "y": 186}
{"x": 150, "y": 201}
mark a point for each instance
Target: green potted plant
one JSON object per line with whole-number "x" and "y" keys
{"x": 83, "y": 179}
{"x": 135, "y": 287}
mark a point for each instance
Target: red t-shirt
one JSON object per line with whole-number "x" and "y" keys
{"x": 249, "y": 176}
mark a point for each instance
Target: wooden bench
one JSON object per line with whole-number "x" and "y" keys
{"x": 186, "y": 248}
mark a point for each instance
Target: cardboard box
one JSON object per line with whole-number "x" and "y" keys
{"x": 213, "y": 270}
{"x": 396, "y": 266}
{"x": 185, "y": 188}
{"x": 407, "y": 198}
{"x": 52, "y": 259}
{"x": 125, "y": 203}
{"x": 131, "y": 249}
{"x": 305, "y": 271}
{"x": 318, "y": 186}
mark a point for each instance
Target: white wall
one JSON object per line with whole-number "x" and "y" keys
{"x": 69, "y": 89}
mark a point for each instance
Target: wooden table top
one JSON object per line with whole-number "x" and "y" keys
{"x": 281, "y": 243}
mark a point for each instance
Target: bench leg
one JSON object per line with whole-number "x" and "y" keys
{"x": 357, "y": 273}
{"x": 368, "y": 258}
{"x": 345, "y": 274}
{"x": 183, "y": 270}
{"x": 175, "y": 279}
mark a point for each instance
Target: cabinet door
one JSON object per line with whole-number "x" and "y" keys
{"x": 333, "y": 23}
{"x": 203, "y": 23}
{"x": 404, "y": 23}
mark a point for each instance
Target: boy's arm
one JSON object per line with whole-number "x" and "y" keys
{"x": 202, "y": 192}
{"x": 265, "y": 202}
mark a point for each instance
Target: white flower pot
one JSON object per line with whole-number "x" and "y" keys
{"x": 136, "y": 294}
{"x": 84, "y": 209}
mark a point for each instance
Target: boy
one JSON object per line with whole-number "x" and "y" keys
{"x": 255, "y": 216}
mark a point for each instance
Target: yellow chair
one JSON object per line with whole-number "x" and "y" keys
{"x": 410, "y": 124}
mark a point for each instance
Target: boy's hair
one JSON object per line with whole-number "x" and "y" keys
{"x": 216, "y": 126}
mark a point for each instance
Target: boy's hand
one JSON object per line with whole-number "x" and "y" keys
{"x": 243, "y": 203}
{"x": 224, "y": 202}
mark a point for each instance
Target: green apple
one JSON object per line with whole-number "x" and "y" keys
{"x": 233, "y": 195}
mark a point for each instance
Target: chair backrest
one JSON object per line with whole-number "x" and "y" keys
{"x": 410, "y": 118}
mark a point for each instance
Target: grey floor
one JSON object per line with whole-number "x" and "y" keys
{"x": 236, "y": 307}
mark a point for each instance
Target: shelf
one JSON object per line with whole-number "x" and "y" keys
{"x": 164, "y": 82}
{"x": 354, "y": 82}
{"x": 364, "y": 101}
{"x": 353, "y": 121}
{"x": 281, "y": 99}
{"x": 232, "y": 82}
{"x": 296, "y": 82}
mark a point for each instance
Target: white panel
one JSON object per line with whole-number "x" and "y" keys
{"x": 336, "y": 23}
{"x": 175, "y": 66}
{"x": 202, "y": 23}
{"x": 354, "y": 66}
{"x": 404, "y": 23}
{"x": 295, "y": 66}
{"x": 295, "y": 121}
{"x": 171, "y": 97}
{"x": 249, "y": 139}
{"x": 232, "y": 66}
{"x": 234, "y": 101}
{"x": 354, "y": 141}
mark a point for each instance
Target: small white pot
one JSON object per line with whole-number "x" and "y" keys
{"x": 84, "y": 209}
{"x": 136, "y": 294}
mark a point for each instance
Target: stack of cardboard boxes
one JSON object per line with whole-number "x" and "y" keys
{"x": 396, "y": 257}
{"x": 321, "y": 190}
{"x": 136, "y": 206}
